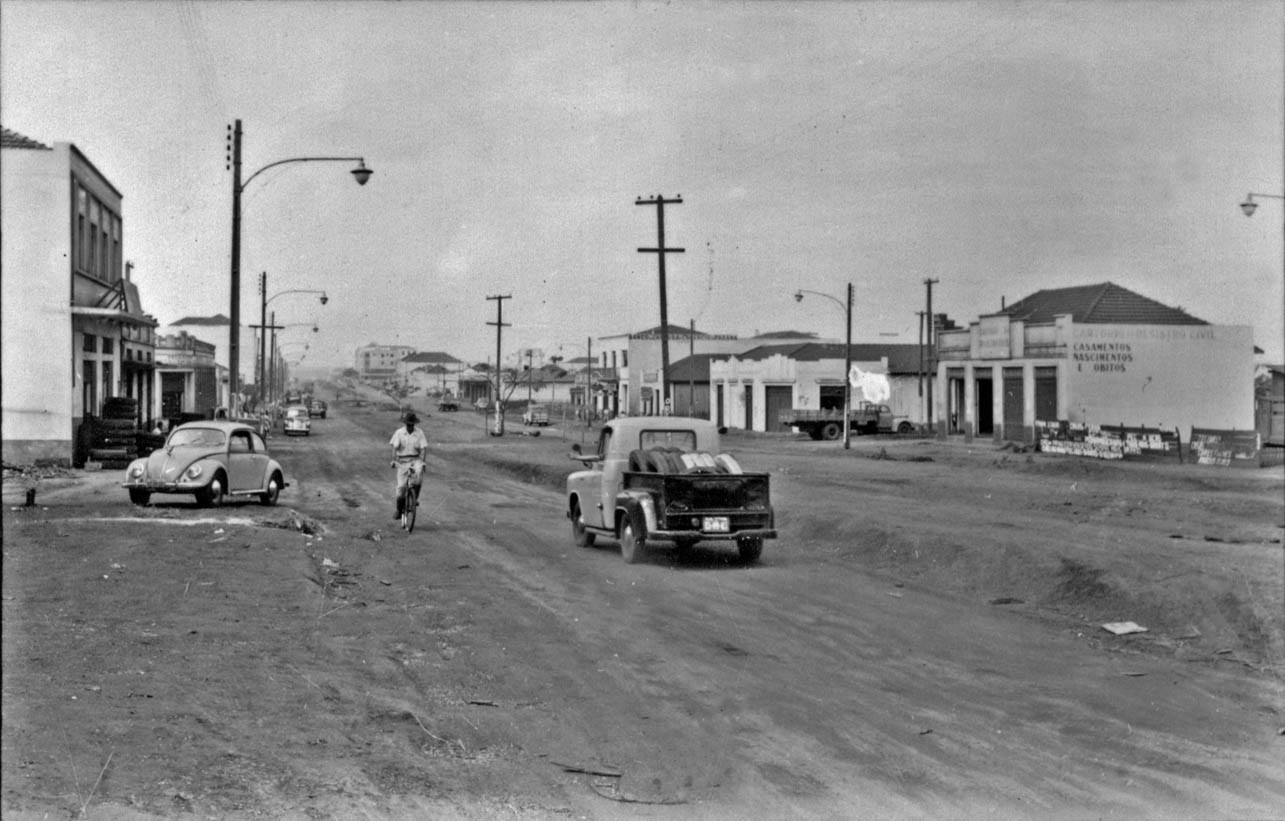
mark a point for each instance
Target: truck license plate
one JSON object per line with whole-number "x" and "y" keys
{"x": 714, "y": 524}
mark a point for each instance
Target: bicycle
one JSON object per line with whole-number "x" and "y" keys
{"x": 410, "y": 496}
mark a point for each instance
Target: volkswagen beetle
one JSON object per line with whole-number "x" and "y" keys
{"x": 210, "y": 460}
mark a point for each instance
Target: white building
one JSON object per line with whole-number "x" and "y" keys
{"x": 1095, "y": 354}
{"x": 634, "y": 360}
{"x": 74, "y": 333}
{"x": 750, "y": 390}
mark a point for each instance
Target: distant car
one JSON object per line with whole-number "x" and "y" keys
{"x": 447, "y": 403}
{"x": 317, "y": 408}
{"x": 211, "y": 460}
{"x": 297, "y": 421}
{"x": 536, "y": 415}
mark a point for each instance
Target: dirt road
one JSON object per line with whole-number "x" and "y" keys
{"x": 923, "y": 641}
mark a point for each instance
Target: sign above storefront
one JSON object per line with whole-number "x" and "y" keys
{"x": 992, "y": 338}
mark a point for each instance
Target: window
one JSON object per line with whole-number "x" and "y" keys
{"x": 684, "y": 440}
{"x": 80, "y": 256}
{"x": 91, "y": 344}
{"x": 109, "y": 387}
{"x": 94, "y": 211}
{"x": 115, "y": 260}
{"x": 109, "y": 345}
{"x": 624, "y": 359}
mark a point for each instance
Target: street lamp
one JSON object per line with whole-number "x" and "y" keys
{"x": 847, "y": 360}
{"x": 1249, "y": 206}
{"x": 361, "y": 174}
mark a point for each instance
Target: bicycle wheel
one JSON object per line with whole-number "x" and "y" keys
{"x": 412, "y": 504}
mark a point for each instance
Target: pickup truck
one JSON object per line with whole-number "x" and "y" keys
{"x": 865, "y": 417}
{"x": 663, "y": 478}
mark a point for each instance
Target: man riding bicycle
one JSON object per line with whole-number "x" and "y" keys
{"x": 410, "y": 445}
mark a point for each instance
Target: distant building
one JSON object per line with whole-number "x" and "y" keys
{"x": 1095, "y": 354}
{"x": 751, "y": 389}
{"x": 629, "y": 371}
{"x": 213, "y": 331}
{"x": 188, "y": 377}
{"x": 425, "y": 367}
{"x": 74, "y": 331}
{"x": 378, "y": 363}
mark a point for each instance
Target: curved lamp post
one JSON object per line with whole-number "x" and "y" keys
{"x": 847, "y": 360}
{"x": 361, "y": 174}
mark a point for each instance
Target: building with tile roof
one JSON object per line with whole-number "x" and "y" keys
{"x": 74, "y": 329}
{"x": 1094, "y": 354}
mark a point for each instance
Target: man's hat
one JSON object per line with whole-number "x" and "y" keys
{"x": 411, "y": 417}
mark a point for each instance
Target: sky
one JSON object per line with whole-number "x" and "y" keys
{"x": 999, "y": 148}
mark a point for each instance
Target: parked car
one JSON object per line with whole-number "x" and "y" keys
{"x": 211, "y": 460}
{"x": 536, "y": 415}
{"x": 297, "y": 421}
{"x": 317, "y": 408}
{"x": 448, "y": 403}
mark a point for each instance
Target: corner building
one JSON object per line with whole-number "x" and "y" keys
{"x": 1093, "y": 354}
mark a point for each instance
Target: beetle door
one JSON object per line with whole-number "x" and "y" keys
{"x": 246, "y": 463}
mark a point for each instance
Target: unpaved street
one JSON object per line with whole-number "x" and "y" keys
{"x": 924, "y": 640}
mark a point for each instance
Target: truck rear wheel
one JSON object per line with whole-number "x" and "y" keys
{"x": 632, "y": 546}
{"x": 580, "y": 536}
{"x": 831, "y": 431}
{"x": 750, "y": 549}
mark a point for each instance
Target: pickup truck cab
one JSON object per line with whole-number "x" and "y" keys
{"x": 663, "y": 478}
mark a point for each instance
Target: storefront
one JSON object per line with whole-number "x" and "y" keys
{"x": 1049, "y": 358}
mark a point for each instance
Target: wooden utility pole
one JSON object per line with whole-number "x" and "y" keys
{"x": 932, "y": 352}
{"x": 691, "y": 376}
{"x": 660, "y": 250}
{"x": 500, "y": 325}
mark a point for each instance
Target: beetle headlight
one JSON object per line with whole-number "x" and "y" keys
{"x": 136, "y": 472}
{"x": 194, "y": 472}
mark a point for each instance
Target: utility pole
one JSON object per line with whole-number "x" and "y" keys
{"x": 234, "y": 321}
{"x": 920, "y": 314}
{"x": 660, "y": 250}
{"x": 590, "y": 401}
{"x": 500, "y": 325}
{"x": 263, "y": 329}
{"x": 691, "y": 376}
{"x": 932, "y": 353}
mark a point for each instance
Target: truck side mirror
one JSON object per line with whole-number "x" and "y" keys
{"x": 575, "y": 448}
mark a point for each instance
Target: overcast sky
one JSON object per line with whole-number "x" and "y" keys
{"x": 1000, "y": 148}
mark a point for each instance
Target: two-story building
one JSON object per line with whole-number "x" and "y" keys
{"x": 74, "y": 331}
{"x": 1094, "y": 354}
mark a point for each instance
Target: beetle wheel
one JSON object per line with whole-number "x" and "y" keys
{"x": 269, "y": 496}
{"x": 212, "y": 494}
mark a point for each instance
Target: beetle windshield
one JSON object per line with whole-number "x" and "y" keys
{"x": 197, "y": 437}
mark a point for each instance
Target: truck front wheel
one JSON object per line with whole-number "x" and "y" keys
{"x": 579, "y": 535}
{"x": 632, "y": 546}
{"x": 831, "y": 431}
{"x": 750, "y": 549}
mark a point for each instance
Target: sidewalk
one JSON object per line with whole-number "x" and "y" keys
{"x": 53, "y": 481}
